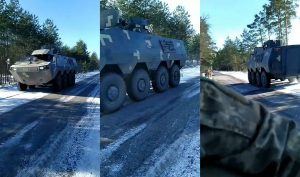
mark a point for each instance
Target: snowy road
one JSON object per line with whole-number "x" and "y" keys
{"x": 45, "y": 134}
{"x": 282, "y": 98}
{"x": 155, "y": 137}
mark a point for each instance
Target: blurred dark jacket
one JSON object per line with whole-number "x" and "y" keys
{"x": 240, "y": 137}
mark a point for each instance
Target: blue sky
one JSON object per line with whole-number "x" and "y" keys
{"x": 75, "y": 19}
{"x": 229, "y": 17}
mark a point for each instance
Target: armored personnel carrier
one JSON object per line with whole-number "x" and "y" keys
{"x": 274, "y": 61}
{"x": 44, "y": 67}
{"x": 132, "y": 57}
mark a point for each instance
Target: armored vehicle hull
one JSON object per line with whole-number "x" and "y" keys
{"x": 274, "y": 62}
{"x": 43, "y": 68}
{"x": 132, "y": 59}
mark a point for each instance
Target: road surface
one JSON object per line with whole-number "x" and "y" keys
{"x": 156, "y": 137}
{"x": 276, "y": 99}
{"x": 52, "y": 135}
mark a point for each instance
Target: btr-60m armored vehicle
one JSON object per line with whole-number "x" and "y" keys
{"x": 131, "y": 57}
{"x": 273, "y": 61}
{"x": 45, "y": 68}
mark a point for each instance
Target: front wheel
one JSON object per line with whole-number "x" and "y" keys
{"x": 57, "y": 83}
{"x": 253, "y": 78}
{"x": 22, "y": 87}
{"x": 112, "y": 92}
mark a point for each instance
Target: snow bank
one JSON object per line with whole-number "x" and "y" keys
{"x": 11, "y": 97}
{"x": 282, "y": 86}
{"x": 189, "y": 73}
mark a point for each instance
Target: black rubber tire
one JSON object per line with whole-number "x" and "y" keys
{"x": 292, "y": 80}
{"x": 22, "y": 87}
{"x": 160, "y": 82}
{"x": 258, "y": 80}
{"x": 73, "y": 79}
{"x": 253, "y": 78}
{"x": 174, "y": 74}
{"x": 69, "y": 79}
{"x": 265, "y": 79}
{"x": 57, "y": 83}
{"x": 64, "y": 81}
{"x": 31, "y": 86}
{"x": 249, "y": 77}
{"x": 138, "y": 85}
{"x": 110, "y": 102}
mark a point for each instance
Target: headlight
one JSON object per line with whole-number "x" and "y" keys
{"x": 43, "y": 67}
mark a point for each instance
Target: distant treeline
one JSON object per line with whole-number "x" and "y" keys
{"x": 175, "y": 24}
{"x": 272, "y": 22}
{"x": 21, "y": 33}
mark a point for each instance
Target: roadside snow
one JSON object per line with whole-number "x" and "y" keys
{"x": 242, "y": 75}
{"x": 282, "y": 86}
{"x": 11, "y": 97}
{"x": 189, "y": 73}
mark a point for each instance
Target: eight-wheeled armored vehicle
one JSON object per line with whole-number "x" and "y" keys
{"x": 44, "y": 67}
{"x": 132, "y": 57}
{"x": 274, "y": 61}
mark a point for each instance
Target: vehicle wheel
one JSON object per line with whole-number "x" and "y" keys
{"x": 112, "y": 92}
{"x": 174, "y": 76}
{"x": 249, "y": 77}
{"x": 65, "y": 81}
{"x": 258, "y": 81}
{"x": 70, "y": 79}
{"x": 22, "y": 87}
{"x": 138, "y": 85}
{"x": 292, "y": 80}
{"x": 265, "y": 79}
{"x": 31, "y": 86}
{"x": 73, "y": 79}
{"x": 253, "y": 78}
{"x": 161, "y": 80}
{"x": 57, "y": 83}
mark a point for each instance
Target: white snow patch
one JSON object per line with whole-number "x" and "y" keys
{"x": 182, "y": 158}
{"x": 189, "y": 73}
{"x": 11, "y": 98}
{"x": 107, "y": 152}
{"x": 286, "y": 87}
{"x": 242, "y": 75}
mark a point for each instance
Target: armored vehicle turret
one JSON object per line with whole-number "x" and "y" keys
{"x": 132, "y": 58}
{"x": 44, "y": 67}
{"x": 274, "y": 61}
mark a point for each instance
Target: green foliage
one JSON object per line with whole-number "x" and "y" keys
{"x": 274, "y": 20}
{"x": 207, "y": 47}
{"x": 21, "y": 33}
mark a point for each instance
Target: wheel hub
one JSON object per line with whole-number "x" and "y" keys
{"x": 112, "y": 93}
{"x": 163, "y": 79}
{"x": 176, "y": 76}
{"x": 141, "y": 85}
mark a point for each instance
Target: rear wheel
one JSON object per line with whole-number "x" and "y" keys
{"x": 57, "y": 83}
{"x": 249, "y": 77}
{"x": 174, "y": 76}
{"x": 73, "y": 79}
{"x": 292, "y": 80}
{"x": 31, "y": 86}
{"x": 65, "y": 81}
{"x": 160, "y": 81}
{"x": 253, "y": 78}
{"x": 258, "y": 78}
{"x": 265, "y": 79}
{"x": 112, "y": 92}
{"x": 22, "y": 87}
{"x": 138, "y": 85}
